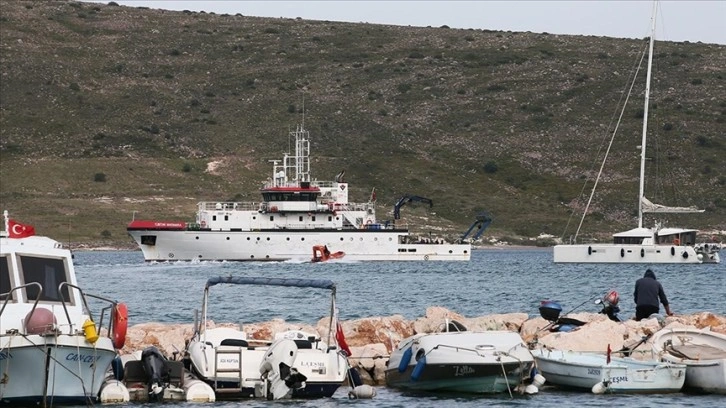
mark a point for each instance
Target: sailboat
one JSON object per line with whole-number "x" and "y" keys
{"x": 651, "y": 245}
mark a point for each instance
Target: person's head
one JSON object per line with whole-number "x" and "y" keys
{"x": 649, "y": 274}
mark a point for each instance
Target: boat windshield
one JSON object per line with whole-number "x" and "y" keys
{"x": 49, "y": 273}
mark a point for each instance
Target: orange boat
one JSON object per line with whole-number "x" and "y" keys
{"x": 321, "y": 253}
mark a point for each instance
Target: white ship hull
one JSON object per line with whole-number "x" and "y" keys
{"x": 629, "y": 254}
{"x": 363, "y": 245}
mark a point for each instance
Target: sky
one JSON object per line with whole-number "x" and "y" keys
{"x": 679, "y": 20}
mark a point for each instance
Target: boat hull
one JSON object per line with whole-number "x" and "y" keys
{"x": 75, "y": 369}
{"x": 622, "y": 375}
{"x": 629, "y": 254}
{"x": 358, "y": 245}
{"x": 471, "y": 362}
{"x": 706, "y": 371}
{"x": 468, "y": 378}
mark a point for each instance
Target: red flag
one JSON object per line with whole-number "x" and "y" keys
{"x": 340, "y": 338}
{"x": 18, "y": 230}
{"x": 609, "y": 351}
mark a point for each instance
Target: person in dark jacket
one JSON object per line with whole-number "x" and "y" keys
{"x": 648, "y": 291}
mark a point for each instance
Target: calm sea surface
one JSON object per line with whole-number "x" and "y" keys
{"x": 494, "y": 281}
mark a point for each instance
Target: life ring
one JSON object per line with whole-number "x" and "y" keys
{"x": 369, "y": 222}
{"x": 676, "y": 241}
{"x": 119, "y": 324}
{"x": 203, "y": 224}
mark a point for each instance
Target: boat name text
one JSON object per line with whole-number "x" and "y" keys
{"x": 462, "y": 370}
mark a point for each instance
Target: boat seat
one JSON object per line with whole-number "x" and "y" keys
{"x": 303, "y": 344}
{"x": 697, "y": 352}
{"x": 234, "y": 342}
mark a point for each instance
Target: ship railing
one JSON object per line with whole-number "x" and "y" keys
{"x": 228, "y": 206}
{"x": 262, "y": 206}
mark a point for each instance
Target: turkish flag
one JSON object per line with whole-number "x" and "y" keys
{"x": 608, "y": 355}
{"x": 18, "y": 230}
{"x": 340, "y": 339}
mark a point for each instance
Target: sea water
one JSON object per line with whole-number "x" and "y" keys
{"x": 494, "y": 281}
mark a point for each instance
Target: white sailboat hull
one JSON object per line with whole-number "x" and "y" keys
{"x": 364, "y": 245}
{"x": 624, "y": 253}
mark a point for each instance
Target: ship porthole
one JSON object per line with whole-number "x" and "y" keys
{"x": 642, "y": 252}
{"x": 622, "y": 253}
{"x": 673, "y": 251}
{"x": 589, "y": 250}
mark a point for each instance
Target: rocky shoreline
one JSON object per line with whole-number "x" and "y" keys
{"x": 372, "y": 339}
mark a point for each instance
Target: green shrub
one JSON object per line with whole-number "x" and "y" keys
{"x": 491, "y": 167}
{"x": 99, "y": 177}
{"x": 187, "y": 168}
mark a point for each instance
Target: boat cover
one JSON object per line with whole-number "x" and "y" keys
{"x": 300, "y": 283}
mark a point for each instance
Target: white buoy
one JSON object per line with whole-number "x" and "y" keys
{"x": 599, "y": 388}
{"x": 539, "y": 380}
{"x": 113, "y": 392}
{"x": 363, "y": 391}
{"x": 531, "y": 389}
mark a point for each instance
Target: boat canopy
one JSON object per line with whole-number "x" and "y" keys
{"x": 300, "y": 283}
{"x": 635, "y": 232}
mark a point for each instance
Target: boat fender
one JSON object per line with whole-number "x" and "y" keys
{"x": 599, "y": 388}
{"x": 539, "y": 380}
{"x": 589, "y": 250}
{"x": 117, "y": 367}
{"x": 405, "y": 359}
{"x": 119, "y": 324}
{"x": 418, "y": 370}
{"x": 685, "y": 255}
{"x": 673, "y": 251}
{"x": 531, "y": 389}
{"x": 364, "y": 391}
{"x": 642, "y": 252}
{"x": 622, "y": 252}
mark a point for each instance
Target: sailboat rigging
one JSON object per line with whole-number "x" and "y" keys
{"x": 641, "y": 244}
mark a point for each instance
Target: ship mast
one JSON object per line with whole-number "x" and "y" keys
{"x": 641, "y": 191}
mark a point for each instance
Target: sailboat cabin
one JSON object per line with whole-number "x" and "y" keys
{"x": 663, "y": 236}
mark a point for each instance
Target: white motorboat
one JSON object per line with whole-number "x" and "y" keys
{"x": 601, "y": 373}
{"x": 457, "y": 360}
{"x": 294, "y": 364}
{"x": 650, "y": 245}
{"x": 702, "y": 351}
{"x": 296, "y": 213}
{"x": 53, "y": 349}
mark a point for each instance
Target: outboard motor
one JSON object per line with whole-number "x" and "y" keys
{"x": 550, "y": 311}
{"x": 277, "y": 368}
{"x": 610, "y": 305}
{"x": 156, "y": 371}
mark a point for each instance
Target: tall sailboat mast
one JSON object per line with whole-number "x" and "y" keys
{"x": 641, "y": 192}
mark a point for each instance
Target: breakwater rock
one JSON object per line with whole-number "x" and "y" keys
{"x": 372, "y": 339}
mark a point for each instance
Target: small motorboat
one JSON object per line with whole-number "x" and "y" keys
{"x": 702, "y": 351}
{"x": 601, "y": 373}
{"x": 52, "y": 348}
{"x": 151, "y": 377}
{"x": 321, "y": 253}
{"x": 294, "y": 364}
{"x": 456, "y": 360}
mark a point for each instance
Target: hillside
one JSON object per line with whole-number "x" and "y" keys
{"x": 110, "y": 112}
